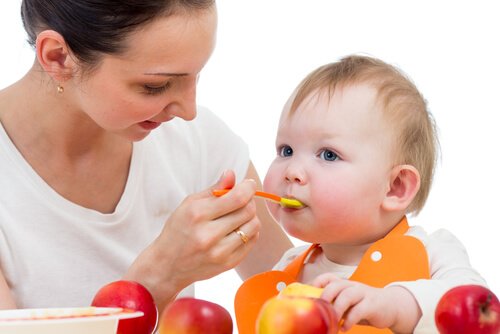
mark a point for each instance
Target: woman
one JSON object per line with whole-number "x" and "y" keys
{"x": 106, "y": 178}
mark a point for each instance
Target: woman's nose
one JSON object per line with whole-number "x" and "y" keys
{"x": 184, "y": 106}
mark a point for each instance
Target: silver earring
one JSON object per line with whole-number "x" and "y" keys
{"x": 60, "y": 89}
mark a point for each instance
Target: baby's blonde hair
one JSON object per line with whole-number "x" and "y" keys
{"x": 403, "y": 106}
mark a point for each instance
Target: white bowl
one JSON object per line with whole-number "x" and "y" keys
{"x": 74, "y": 320}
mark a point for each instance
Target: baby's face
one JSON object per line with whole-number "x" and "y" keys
{"x": 334, "y": 155}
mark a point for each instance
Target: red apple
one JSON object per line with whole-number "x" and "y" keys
{"x": 133, "y": 296}
{"x": 468, "y": 309}
{"x": 297, "y": 315}
{"x": 195, "y": 316}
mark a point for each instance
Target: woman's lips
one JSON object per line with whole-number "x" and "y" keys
{"x": 148, "y": 125}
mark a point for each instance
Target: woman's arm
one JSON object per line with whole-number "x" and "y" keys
{"x": 272, "y": 242}
{"x": 6, "y": 299}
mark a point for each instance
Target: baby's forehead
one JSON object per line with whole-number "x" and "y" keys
{"x": 355, "y": 107}
{"x": 362, "y": 95}
{"x": 352, "y": 110}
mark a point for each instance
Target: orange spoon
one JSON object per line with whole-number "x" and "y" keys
{"x": 286, "y": 202}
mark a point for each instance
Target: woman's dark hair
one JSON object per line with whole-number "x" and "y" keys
{"x": 95, "y": 27}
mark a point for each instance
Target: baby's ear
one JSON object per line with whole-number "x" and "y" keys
{"x": 404, "y": 185}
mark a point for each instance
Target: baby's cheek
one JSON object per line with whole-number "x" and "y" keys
{"x": 270, "y": 185}
{"x": 331, "y": 204}
{"x": 273, "y": 210}
{"x": 271, "y": 179}
{"x": 325, "y": 198}
{"x": 266, "y": 184}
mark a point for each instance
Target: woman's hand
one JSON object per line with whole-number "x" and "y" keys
{"x": 392, "y": 307}
{"x": 199, "y": 240}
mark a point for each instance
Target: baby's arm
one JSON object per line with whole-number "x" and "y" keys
{"x": 355, "y": 303}
{"x": 450, "y": 267}
{"x": 391, "y": 306}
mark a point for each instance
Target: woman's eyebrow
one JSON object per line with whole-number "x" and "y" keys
{"x": 168, "y": 74}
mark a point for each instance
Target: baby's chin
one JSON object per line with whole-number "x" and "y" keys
{"x": 297, "y": 233}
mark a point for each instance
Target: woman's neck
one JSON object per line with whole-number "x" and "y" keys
{"x": 73, "y": 155}
{"x": 34, "y": 114}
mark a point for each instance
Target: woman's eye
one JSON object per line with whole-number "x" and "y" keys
{"x": 328, "y": 155}
{"x": 156, "y": 90}
{"x": 285, "y": 151}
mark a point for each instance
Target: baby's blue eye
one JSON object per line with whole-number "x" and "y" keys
{"x": 286, "y": 151}
{"x": 328, "y": 155}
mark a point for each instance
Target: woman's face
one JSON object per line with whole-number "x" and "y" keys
{"x": 154, "y": 80}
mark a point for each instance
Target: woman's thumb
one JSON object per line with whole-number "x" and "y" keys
{"x": 226, "y": 181}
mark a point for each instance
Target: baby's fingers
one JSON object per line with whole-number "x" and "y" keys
{"x": 356, "y": 314}
{"x": 323, "y": 280}
{"x": 346, "y": 300}
{"x": 334, "y": 288}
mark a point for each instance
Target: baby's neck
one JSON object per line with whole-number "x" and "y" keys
{"x": 351, "y": 255}
{"x": 347, "y": 255}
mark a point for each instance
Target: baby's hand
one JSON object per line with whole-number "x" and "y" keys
{"x": 358, "y": 303}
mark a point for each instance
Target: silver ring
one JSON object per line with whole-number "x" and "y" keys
{"x": 242, "y": 235}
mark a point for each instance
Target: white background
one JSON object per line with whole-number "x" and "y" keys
{"x": 265, "y": 47}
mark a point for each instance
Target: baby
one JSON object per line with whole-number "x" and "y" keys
{"x": 357, "y": 145}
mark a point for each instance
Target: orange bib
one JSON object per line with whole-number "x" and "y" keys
{"x": 396, "y": 257}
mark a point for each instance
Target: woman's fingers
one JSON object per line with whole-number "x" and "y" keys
{"x": 224, "y": 214}
{"x": 239, "y": 196}
{"x": 207, "y": 235}
{"x": 237, "y": 243}
{"x": 226, "y": 181}
{"x": 234, "y": 248}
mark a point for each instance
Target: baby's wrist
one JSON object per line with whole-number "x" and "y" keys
{"x": 406, "y": 308}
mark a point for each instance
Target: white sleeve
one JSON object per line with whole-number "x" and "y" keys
{"x": 449, "y": 266}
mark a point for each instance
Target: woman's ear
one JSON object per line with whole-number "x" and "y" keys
{"x": 53, "y": 55}
{"x": 404, "y": 185}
